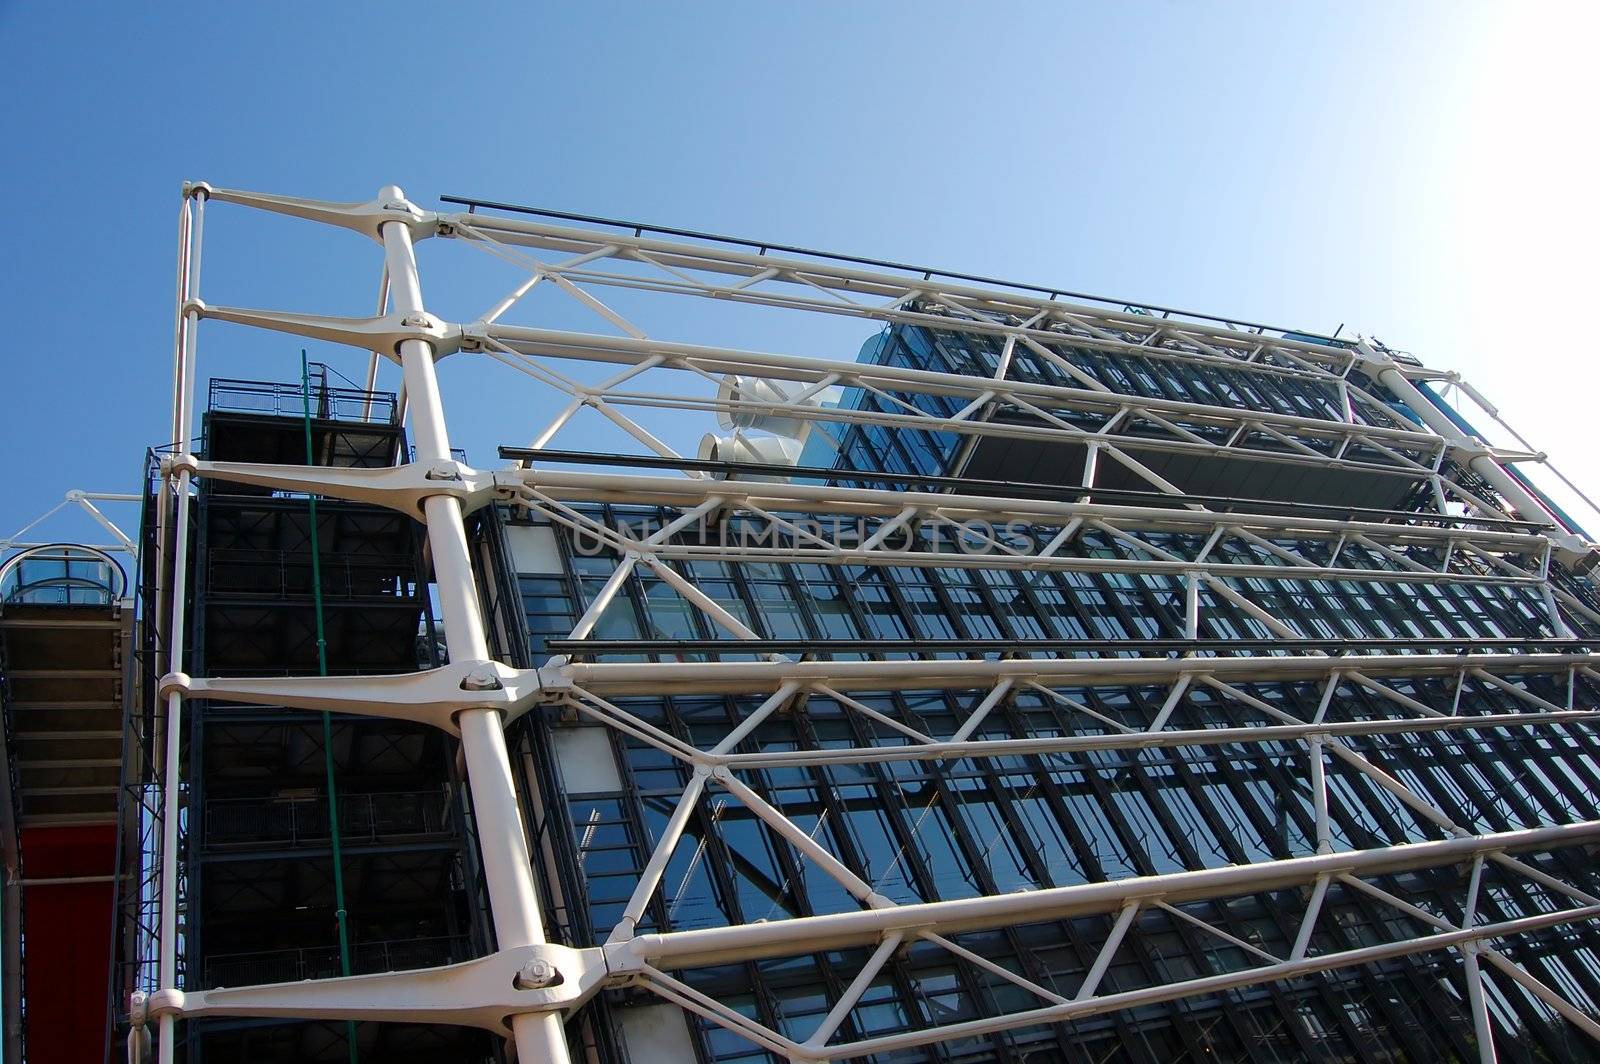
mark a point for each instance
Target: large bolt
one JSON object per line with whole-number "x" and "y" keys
{"x": 537, "y": 974}
{"x": 481, "y": 678}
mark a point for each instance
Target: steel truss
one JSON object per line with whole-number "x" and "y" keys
{"x": 528, "y": 985}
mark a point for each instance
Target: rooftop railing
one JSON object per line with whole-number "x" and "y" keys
{"x": 279, "y": 399}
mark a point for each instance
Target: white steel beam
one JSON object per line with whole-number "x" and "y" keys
{"x": 1100, "y": 323}
{"x": 792, "y": 497}
{"x": 812, "y": 934}
{"x": 626, "y": 350}
{"x": 505, "y": 857}
{"x": 403, "y": 487}
{"x": 1476, "y": 454}
{"x": 541, "y": 980}
{"x": 755, "y": 677}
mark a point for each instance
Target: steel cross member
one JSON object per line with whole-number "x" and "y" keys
{"x": 518, "y": 985}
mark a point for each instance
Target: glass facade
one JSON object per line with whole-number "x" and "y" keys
{"x": 1059, "y": 680}
{"x": 876, "y": 448}
{"x": 921, "y": 830}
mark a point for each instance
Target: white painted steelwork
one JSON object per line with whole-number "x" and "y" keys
{"x": 528, "y": 985}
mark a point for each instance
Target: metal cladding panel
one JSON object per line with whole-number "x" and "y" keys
{"x": 1032, "y": 461}
{"x": 68, "y": 934}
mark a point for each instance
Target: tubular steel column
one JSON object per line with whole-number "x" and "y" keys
{"x": 172, "y": 763}
{"x": 506, "y": 860}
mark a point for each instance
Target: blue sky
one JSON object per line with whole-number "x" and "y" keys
{"x": 1422, "y": 172}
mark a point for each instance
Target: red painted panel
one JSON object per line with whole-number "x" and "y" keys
{"x": 67, "y": 944}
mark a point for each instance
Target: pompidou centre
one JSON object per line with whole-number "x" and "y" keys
{"x": 851, "y": 661}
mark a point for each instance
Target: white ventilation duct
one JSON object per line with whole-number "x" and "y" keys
{"x": 768, "y": 450}
{"x": 765, "y": 390}
{"x": 792, "y": 437}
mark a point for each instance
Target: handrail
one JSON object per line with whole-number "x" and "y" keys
{"x": 320, "y": 962}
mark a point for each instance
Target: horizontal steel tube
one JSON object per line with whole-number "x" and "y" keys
{"x": 591, "y": 346}
{"x": 1014, "y": 489}
{"x": 1070, "y": 564}
{"x": 878, "y": 502}
{"x": 1033, "y": 427}
{"x": 811, "y": 934}
{"x": 1140, "y": 740}
{"x": 1213, "y": 984}
{"x": 722, "y": 260}
{"x": 733, "y": 677}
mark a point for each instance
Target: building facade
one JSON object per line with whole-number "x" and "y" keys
{"x": 67, "y": 622}
{"x": 1054, "y": 680}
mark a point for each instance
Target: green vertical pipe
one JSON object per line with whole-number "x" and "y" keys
{"x": 340, "y": 916}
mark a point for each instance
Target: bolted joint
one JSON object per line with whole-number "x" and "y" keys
{"x": 537, "y": 974}
{"x": 1368, "y": 355}
{"x": 404, "y": 488}
{"x": 433, "y": 696}
{"x": 367, "y": 217}
{"x": 554, "y": 683}
{"x": 138, "y": 1005}
{"x": 475, "y": 336}
{"x": 482, "y": 677}
{"x": 383, "y": 333}
{"x": 484, "y": 993}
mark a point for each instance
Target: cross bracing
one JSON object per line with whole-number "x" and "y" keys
{"x": 1117, "y": 424}
{"x": 1326, "y": 726}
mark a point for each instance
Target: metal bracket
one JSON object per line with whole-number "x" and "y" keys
{"x": 401, "y": 488}
{"x": 433, "y": 696}
{"x": 1575, "y": 553}
{"x": 478, "y": 993}
{"x": 383, "y": 334}
{"x": 475, "y": 336}
{"x": 363, "y": 217}
{"x": 1367, "y": 355}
